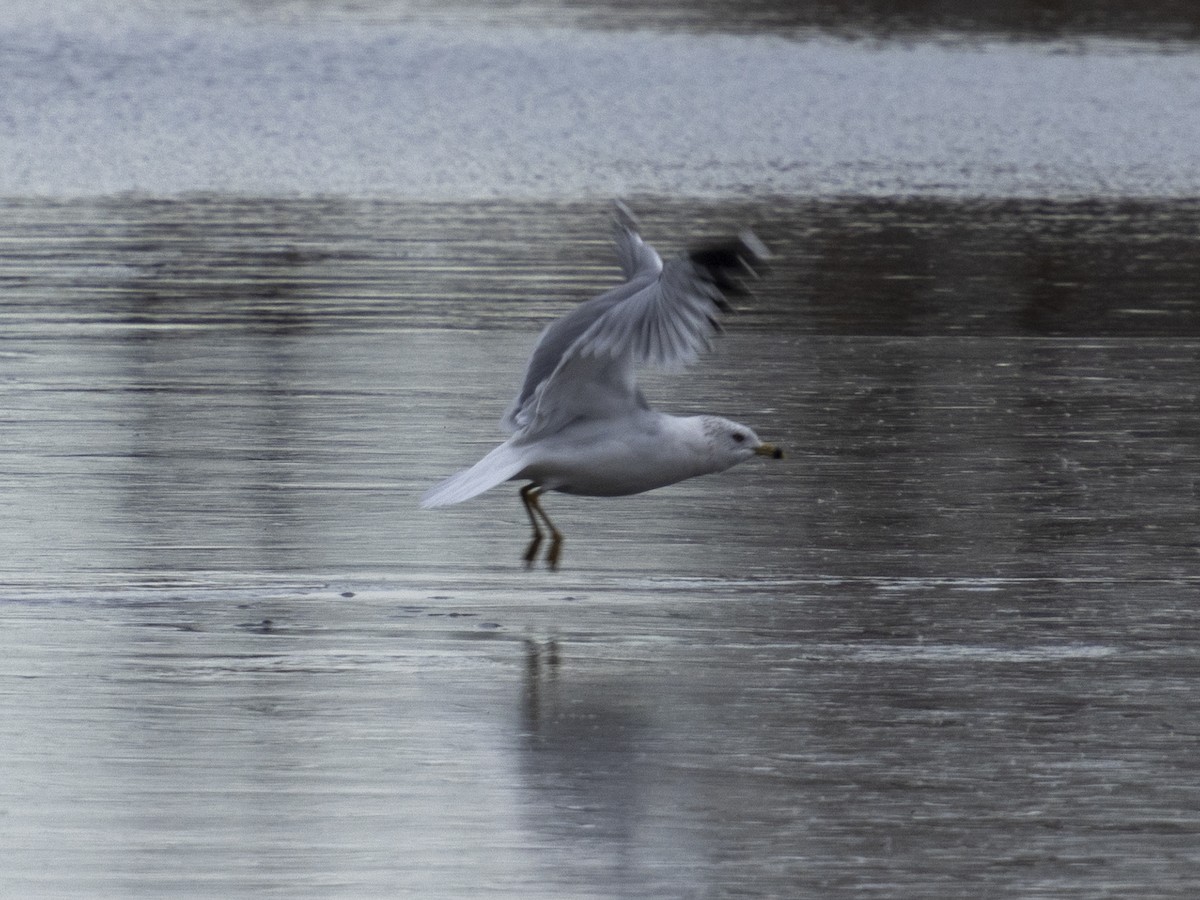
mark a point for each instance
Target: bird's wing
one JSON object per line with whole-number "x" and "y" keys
{"x": 641, "y": 266}
{"x": 584, "y": 364}
{"x": 635, "y": 255}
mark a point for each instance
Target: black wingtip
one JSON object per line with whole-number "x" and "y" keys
{"x": 727, "y": 263}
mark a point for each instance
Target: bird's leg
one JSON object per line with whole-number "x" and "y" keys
{"x": 530, "y": 494}
{"x": 529, "y": 499}
{"x": 556, "y": 538}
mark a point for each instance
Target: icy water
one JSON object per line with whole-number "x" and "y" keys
{"x": 948, "y": 645}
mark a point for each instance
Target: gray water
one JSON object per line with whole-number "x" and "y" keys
{"x": 947, "y": 645}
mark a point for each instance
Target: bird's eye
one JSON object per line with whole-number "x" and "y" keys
{"x": 739, "y": 437}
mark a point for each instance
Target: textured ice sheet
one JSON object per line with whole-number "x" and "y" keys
{"x": 168, "y": 106}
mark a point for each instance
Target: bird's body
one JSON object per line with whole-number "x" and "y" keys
{"x": 580, "y": 425}
{"x": 650, "y": 450}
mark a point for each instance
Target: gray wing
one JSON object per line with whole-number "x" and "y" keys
{"x": 637, "y": 258}
{"x": 640, "y": 264}
{"x": 665, "y": 315}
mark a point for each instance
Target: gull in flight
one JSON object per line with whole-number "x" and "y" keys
{"x": 580, "y": 425}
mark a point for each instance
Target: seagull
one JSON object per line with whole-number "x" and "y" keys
{"x": 580, "y": 424}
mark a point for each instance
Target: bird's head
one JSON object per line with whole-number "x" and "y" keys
{"x": 731, "y": 443}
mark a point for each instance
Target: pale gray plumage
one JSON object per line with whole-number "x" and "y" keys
{"x": 579, "y": 422}
{"x": 662, "y": 316}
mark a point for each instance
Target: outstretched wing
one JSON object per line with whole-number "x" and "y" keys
{"x": 665, "y": 315}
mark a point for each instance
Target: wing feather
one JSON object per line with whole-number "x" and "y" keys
{"x": 664, "y": 316}
{"x": 635, "y": 255}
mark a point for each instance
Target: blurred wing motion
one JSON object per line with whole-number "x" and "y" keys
{"x": 664, "y": 315}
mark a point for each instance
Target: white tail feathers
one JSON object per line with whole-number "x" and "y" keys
{"x": 500, "y": 465}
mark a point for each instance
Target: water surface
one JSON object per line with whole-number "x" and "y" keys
{"x": 948, "y": 644}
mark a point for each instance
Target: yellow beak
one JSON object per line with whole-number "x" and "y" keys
{"x": 768, "y": 450}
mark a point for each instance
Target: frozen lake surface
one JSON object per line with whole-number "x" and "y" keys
{"x": 948, "y": 644}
